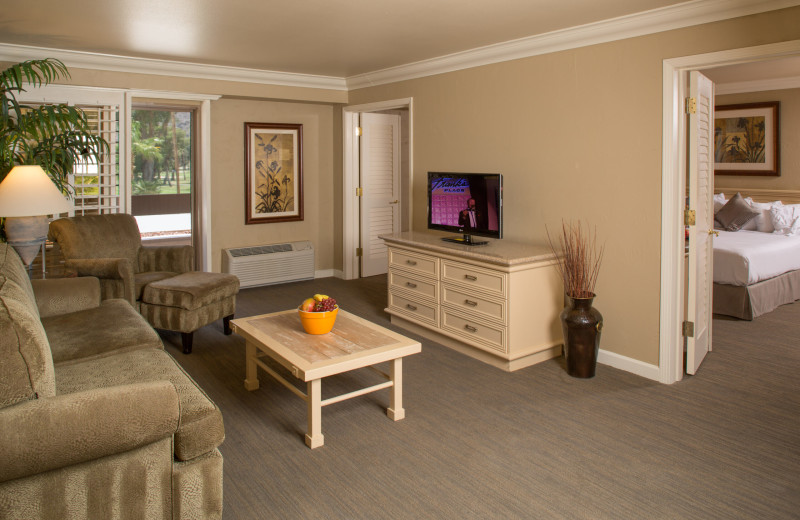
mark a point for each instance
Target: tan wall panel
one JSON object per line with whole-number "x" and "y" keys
{"x": 789, "y": 117}
{"x": 228, "y": 178}
{"x": 577, "y": 135}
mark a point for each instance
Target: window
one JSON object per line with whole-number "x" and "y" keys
{"x": 162, "y": 172}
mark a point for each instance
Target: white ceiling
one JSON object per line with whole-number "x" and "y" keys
{"x": 340, "y": 38}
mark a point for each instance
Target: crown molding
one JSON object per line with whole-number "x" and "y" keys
{"x": 687, "y": 14}
{"x": 757, "y": 85}
{"x": 88, "y": 60}
{"x": 694, "y": 12}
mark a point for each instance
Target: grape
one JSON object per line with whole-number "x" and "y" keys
{"x": 328, "y": 304}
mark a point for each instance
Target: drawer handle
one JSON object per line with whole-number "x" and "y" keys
{"x": 470, "y": 328}
{"x": 411, "y": 307}
{"x": 412, "y": 285}
{"x": 471, "y": 303}
{"x": 411, "y": 262}
{"x": 470, "y": 277}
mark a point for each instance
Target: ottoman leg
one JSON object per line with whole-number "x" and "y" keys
{"x": 186, "y": 339}
{"x": 226, "y": 325}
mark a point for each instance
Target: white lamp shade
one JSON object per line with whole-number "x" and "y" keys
{"x": 27, "y": 191}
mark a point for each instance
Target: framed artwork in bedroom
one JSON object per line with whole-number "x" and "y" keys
{"x": 746, "y": 139}
{"x": 273, "y": 172}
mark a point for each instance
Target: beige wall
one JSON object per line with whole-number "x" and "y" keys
{"x": 789, "y": 119}
{"x": 577, "y": 135}
{"x": 228, "y": 181}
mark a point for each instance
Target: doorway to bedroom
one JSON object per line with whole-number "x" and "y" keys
{"x": 675, "y": 179}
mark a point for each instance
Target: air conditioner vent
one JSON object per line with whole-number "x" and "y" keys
{"x": 270, "y": 263}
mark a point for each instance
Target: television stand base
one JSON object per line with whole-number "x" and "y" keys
{"x": 466, "y": 240}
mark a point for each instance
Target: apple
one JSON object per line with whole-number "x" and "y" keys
{"x": 308, "y": 305}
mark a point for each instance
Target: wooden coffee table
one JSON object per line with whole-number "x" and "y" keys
{"x": 353, "y": 343}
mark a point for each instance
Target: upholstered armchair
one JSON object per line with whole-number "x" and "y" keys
{"x": 157, "y": 281}
{"x": 110, "y": 248}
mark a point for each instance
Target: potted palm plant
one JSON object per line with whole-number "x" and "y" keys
{"x": 53, "y": 136}
{"x": 578, "y": 260}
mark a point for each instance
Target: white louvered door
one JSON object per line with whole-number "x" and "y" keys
{"x": 701, "y": 193}
{"x": 380, "y": 181}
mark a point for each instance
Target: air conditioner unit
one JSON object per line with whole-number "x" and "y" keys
{"x": 270, "y": 264}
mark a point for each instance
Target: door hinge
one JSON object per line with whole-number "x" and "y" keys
{"x": 688, "y": 329}
{"x": 689, "y": 217}
{"x": 359, "y": 192}
{"x": 691, "y": 105}
{"x": 359, "y": 251}
{"x": 359, "y": 131}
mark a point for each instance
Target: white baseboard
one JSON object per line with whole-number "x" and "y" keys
{"x": 627, "y": 364}
{"x": 324, "y": 273}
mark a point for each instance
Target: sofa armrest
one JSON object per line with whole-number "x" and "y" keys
{"x": 108, "y": 268}
{"x": 177, "y": 259}
{"x": 50, "y": 433}
{"x": 58, "y": 296}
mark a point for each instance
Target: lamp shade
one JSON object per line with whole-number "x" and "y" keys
{"x": 27, "y": 191}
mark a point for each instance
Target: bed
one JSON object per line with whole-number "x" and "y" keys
{"x": 755, "y": 269}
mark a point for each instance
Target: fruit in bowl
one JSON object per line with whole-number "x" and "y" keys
{"x": 318, "y": 314}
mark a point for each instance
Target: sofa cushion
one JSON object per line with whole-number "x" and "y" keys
{"x": 201, "y": 428}
{"x": 24, "y": 351}
{"x": 191, "y": 290}
{"x": 110, "y": 328}
{"x": 11, "y": 267}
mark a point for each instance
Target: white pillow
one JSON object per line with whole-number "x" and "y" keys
{"x": 785, "y": 219}
{"x": 763, "y": 222}
{"x": 719, "y": 201}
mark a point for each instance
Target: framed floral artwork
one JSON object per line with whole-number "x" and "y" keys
{"x": 746, "y": 139}
{"x": 273, "y": 172}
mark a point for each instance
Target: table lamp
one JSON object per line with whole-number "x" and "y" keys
{"x": 27, "y": 197}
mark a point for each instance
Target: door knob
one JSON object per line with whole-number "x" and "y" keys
{"x": 394, "y": 202}
{"x": 712, "y": 232}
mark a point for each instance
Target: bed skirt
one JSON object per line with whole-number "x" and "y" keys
{"x": 751, "y": 301}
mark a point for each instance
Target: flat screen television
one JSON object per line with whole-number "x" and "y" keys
{"x": 467, "y": 203}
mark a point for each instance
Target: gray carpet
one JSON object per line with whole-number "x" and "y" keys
{"x": 478, "y": 442}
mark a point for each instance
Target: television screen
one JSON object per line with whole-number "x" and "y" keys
{"x": 467, "y": 203}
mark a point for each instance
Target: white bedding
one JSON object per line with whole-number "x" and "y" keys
{"x": 746, "y": 257}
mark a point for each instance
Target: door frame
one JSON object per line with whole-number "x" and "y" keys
{"x": 351, "y": 215}
{"x": 202, "y": 197}
{"x": 673, "y": 189}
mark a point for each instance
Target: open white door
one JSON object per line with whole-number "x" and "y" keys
{"x": 380, "y": 183}
{"x": 700, "y": 169}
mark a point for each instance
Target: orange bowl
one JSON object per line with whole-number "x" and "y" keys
{"x": 318, "y": 322}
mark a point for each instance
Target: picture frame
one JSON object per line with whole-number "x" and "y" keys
{"x": 746, "y": 139}
{"x": 273, "y": 172}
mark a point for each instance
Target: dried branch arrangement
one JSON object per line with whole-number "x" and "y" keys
{"x": 578, "y": 259}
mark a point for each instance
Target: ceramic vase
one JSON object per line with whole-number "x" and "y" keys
{"x": 581, "y": 324}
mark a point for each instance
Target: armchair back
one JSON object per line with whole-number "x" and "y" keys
{"x": 113, "y": 235}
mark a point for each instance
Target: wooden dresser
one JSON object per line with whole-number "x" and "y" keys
{"x": 498, "y": 303}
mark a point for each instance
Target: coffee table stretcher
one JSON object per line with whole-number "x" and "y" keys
{"x": 264, "y": 347}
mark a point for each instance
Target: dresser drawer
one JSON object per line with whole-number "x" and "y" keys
{"x": 468, "y": 275}
{"x": 413, "y": 284}
{"x": 468, "y": 300}
{"x": 475, "y": 332}
{"x": 424, "y": 312}
{"x": 415, "y": 262}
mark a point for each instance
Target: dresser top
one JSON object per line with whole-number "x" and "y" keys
{"x": 499, "y": 252}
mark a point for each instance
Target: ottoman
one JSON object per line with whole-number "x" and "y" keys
{"x": 188, "y": 301}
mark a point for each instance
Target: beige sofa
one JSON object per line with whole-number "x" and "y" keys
{"x": 96, "y": 419}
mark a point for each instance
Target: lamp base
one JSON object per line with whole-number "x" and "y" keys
{"x": 26, "y": 235}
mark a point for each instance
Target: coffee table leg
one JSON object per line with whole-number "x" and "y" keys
{"x": 396, "y": 410}
{"x": 251, "y": 370}
{"x": 314, "y": 437}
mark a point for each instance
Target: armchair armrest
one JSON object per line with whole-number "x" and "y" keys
{"x": 50, "y": 433}
{"x": 62, "y": 295}
{"x": 177, "y": 259}
{"x": 109, "y": 268}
